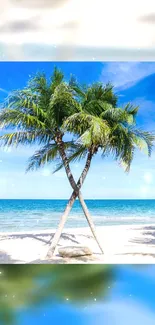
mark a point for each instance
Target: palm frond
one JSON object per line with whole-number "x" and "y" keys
{"x": 49, "y": 153}
{"x": 43, "y": 156}
{"x": 91, "y": 129}
{"x": 56, "y": 79}
{"x": 118, "y": 115}
{"x": 98, "y": 92}
{"x": 26, "y": 101}
{"x": 62, "y": 103}
{"x": 15, "y": 118}
{"x": 38, "y": 83}
{"x": 24, "y": 138}
{"x": 80, "y": 153}
{"x": 131, "y": 109}
{"x": 143, "y": 140}
{"x": 58, "y": 167}
{"x": 124, "y": 140}
{"x": 79, "y": 91}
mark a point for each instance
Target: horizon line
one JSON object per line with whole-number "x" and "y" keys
{"x": 66, "y": 199}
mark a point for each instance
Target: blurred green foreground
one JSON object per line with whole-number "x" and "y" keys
{"x": 23, "y": 286}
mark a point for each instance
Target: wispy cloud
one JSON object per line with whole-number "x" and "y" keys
{"x": 125, "y": 74}
{"x": 4, "y": 91}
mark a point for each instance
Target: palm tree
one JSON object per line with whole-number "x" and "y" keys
{"x": 42, "y": 113}
{"x": 102, "y": 127}
{"x": 37, "y": 113}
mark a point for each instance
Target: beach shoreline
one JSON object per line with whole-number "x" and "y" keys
{"x": 75, "y": 230}
{"x": 122, "y": 244}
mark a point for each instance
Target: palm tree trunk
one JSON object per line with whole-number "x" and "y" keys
{"x": 59, "y": 230}
{"x": 61, "y": 225}
{"x": 72, "y": 199}
{"x": 70, "y": 203}
{"x": 89, "y": 220}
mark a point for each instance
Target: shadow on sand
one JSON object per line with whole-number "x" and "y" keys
{"x": 148, "y": 234}
{"x": 41, "y": 237}
{"x": 46, "y": 238}
{"x": 6, "y": 259}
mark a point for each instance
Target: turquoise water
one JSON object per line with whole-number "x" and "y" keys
{"x": 24, "y": 215}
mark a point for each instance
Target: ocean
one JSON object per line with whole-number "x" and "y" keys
{"x": 29, "y": 215}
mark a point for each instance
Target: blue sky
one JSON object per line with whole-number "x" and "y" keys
{"x": 133, "y": 81}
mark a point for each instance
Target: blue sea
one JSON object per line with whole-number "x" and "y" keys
{"x": 27, "y": 215}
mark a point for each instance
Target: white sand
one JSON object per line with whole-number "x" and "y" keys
{"x": 121, "y": 244}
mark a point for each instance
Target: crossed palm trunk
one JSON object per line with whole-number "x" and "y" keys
{"x": 76, "y": 193}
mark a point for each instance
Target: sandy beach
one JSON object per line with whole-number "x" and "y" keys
{"x": 121, "y": 244}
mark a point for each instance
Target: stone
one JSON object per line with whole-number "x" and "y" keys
{"x": 74, "y": 251}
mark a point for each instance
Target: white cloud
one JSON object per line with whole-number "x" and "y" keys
{"x": 123, "y": 26}
{"x": 126, "y": 73}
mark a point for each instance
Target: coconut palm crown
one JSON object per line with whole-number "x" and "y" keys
{"x": 36, "y": 114}
{"x": 121, "y": 136}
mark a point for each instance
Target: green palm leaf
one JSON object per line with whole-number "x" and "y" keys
{"x": 43, "y": 156}
{"x": 14, "y": 118}
{"x": 24, "y": 138}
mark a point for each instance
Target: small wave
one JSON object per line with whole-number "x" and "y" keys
{"x": 74, "y": 221}
{"x": 103, "y": 217}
